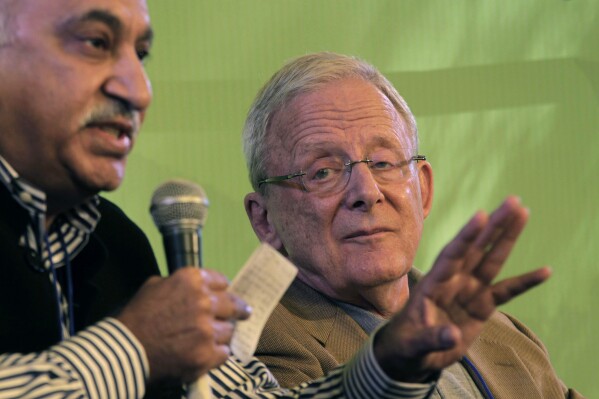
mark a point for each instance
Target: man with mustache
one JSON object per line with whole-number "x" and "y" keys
{"x": 342, "y": 191}
{"x": 83, "y": 310}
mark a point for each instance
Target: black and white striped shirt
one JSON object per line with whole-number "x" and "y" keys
{"x": 103, "y": 361}
{"x": 106, "y": 361}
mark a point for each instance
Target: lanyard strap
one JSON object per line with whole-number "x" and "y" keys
{"x": 65, "y": 321}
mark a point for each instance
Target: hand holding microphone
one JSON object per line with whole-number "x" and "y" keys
{"x": 184, "y": 321}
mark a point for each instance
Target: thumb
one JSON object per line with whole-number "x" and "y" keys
{"x": 418, "y": 343}
{"x": 402, "y": 354}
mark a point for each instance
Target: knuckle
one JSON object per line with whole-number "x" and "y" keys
{"x": 206, "y": 331}
{"x": 205, "y": 302}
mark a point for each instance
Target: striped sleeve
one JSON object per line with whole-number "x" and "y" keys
{"x": 362, "y": 378}
{"x": 103, "y": 361}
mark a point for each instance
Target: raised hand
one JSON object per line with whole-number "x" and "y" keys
{"x": 184, "y": 322}
{"x": 448, "y": 308}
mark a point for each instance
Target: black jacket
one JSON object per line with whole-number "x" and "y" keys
{"x": 115, "y": 262}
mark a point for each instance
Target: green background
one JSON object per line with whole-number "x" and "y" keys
{"x": 505, "y": 93}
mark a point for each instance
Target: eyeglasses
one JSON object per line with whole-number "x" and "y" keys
{"x": 330, "y": 175}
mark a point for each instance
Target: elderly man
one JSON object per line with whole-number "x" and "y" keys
{"x": 342, "y": 191}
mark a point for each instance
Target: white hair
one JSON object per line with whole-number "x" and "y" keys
{"x": 303, "y": 75}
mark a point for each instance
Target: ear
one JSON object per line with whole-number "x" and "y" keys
{"x": 425, "y": 175}
{"x": 256, "y": 209}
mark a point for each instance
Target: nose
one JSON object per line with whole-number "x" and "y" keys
{"x": 362, "y": 191}
{"x": 129, "y": 82}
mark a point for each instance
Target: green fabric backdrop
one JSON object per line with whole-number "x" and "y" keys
{"x": 506, "y": 95}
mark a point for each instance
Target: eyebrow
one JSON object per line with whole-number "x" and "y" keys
{"x": 322, "y": 147}
{"x": 381, "y": 141}
{"x": 110, "y": 20}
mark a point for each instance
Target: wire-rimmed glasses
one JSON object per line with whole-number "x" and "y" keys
{"x": 330, "y": 175}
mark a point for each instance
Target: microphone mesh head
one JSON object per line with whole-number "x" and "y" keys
{"x": 179, "y": 203}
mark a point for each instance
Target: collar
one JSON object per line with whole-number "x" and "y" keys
{"x": 71, "y": 229}
{"x": 370, "y": 321}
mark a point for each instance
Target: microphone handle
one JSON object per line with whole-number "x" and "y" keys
{"x": 182, "y": 247}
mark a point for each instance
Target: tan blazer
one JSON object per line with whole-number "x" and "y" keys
{"x": 308, "y": 335}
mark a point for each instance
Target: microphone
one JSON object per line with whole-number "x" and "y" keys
{"x": 179, "y": 209}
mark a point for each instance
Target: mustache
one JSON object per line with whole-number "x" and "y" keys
{"x": 110, "y": 111}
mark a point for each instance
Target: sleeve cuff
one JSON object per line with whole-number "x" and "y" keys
{"x": 364, "y": 378}
{"x": 109, "y": 359}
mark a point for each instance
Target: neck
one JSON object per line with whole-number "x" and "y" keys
{"x": 58, "y": 204}
{"x": 384, "y": 299}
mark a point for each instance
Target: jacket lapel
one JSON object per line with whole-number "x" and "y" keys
{"x": 325, "y": 321}
{"x": 509, "y": 364}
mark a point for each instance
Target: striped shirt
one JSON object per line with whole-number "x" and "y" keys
{"x": 361, "y": 378}
{"x": 102, "y": 361}
{"x": 106, "y": 361}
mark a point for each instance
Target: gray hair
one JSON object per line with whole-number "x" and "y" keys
{"x": 303, "y": 75}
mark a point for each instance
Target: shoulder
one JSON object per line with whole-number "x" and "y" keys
{"x": 502, "y": 325}
{"x": 112, "y": 214}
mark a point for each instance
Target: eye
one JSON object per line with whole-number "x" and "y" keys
{"x": 386, "y": 159}
{"x": 92, "y": 43}
{"x": 382, "y": 165}
{"x": 325, "y": 169}
{"x": 142, "y": 48}
{"x": 100, "y": 43}
{"x": 322, "y": 174}
{"x": 143, "y": 54}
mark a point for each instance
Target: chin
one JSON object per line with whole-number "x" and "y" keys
{"x": 103, "y": 178}
{"x": 89, "y": 187}
{"x": 386, "y": 275}
{"x": 111, "y": 186}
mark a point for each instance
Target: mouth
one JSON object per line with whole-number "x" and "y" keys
{"x": 366, "y": 233}
{"x": 118, "y": 129}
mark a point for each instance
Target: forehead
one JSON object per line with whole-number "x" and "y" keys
{"x": 349, "y": 111}
{"x": 49, "y": 13}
